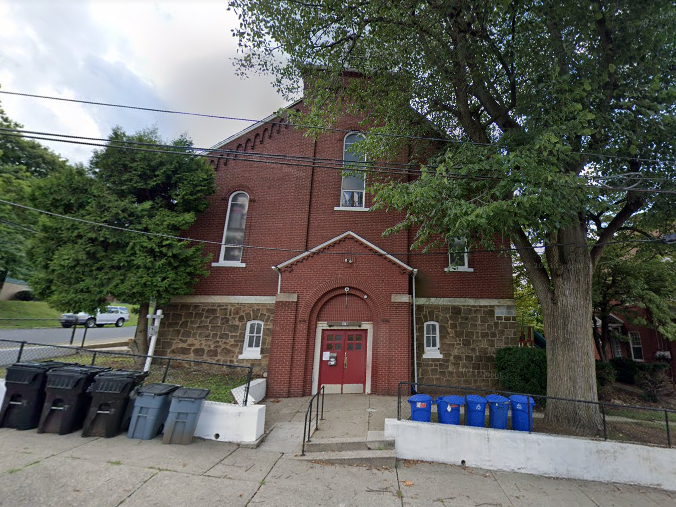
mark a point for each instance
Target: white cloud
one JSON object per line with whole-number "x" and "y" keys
{"x": 167, "y": 55}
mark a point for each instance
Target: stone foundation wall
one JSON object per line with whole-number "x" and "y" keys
{"x": 469, "y": 337}
{"x": 214, "y": 332}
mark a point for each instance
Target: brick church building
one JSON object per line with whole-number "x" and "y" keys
{"x": 311, "y": 293}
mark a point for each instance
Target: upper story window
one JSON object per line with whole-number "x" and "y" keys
{"x": 458, "y": 257}
{"x": 253, "y": 340}
{"x": 432, "y": 340}
{"x": 352, "y": 187}
{"x": 233, "y": 235}
{"x": 636, "y": 348}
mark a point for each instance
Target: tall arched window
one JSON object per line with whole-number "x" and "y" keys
{"x": 352, "y": 187}
{"x": 233, "y": 235}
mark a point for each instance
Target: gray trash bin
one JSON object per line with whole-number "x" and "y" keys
{"x": 186, "y": 405}
{"x": 151, "y": 408}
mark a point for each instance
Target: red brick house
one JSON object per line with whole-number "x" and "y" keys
{"x": 311, "y": 293}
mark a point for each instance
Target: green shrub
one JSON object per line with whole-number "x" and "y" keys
{"x": 24, "y": 295}
{"x": 605, "y": 376}
{"x": 522, "y": 370}
{"x": 651, "y": 377}
{"x": 626, "y": 369}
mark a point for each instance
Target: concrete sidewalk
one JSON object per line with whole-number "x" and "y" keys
{"x": 53, "y": 470}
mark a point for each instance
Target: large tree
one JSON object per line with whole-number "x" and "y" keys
{"x": 136, "y": 183}
{"x": 22, "y": 161}
{"x": 545, "y": 98}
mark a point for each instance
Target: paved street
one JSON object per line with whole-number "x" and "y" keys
{"x": 61, "y": 336}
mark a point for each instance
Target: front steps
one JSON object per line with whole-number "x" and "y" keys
{"x": 375, "y": 451}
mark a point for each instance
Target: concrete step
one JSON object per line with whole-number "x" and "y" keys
{"x": 335, "y": 444}
{"x": 376, "y": 440}
{"x": 371, "y": 458}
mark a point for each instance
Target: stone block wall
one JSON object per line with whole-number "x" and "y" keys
{"x": 214, "y": 332}
{"x": 469, "y": 337}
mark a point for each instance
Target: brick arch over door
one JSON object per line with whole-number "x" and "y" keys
{"x": 309, "y": 313}
{"x": 350, "y": 308}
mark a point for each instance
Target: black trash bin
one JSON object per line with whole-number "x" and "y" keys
{"x": 110, "y": 410}
{"x": 67, "y": 399}
{"x": 25, "y": 394}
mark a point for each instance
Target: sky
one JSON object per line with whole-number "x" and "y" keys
{"x": 164, "y": 54}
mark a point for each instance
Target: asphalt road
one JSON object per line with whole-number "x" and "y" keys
{"x": 61, "y": 336}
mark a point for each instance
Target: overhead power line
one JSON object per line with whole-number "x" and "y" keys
{"x": 277, "y": 159}
{"x": 316, "y": 127}
{"x": 666, "y": 239}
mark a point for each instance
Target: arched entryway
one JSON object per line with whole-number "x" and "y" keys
{"x": 343, "y": 344}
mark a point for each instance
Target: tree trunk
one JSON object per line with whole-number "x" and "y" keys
{"x": 571, "y": 371}
{"x": 598, "y": 340}
{"x": 140, "y": 343}
{"x": 3, "y": 277}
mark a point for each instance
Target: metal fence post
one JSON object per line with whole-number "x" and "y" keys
{"x": 72, "y": 334}
{"x": 322, "y": 403}
{"x": 309, "y": 423}
{"x": 605, "y": 430}
{"x": 93, "y": 358}
{"x": 666, "y": 420}
{"x": 248, "y": 383}
{"x": 166, "y": 370}
{"x": 399, "y": 402}
{"x": 18, "y": 356}
{"x": 84, "y": 336}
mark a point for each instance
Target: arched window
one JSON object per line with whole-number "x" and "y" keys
{"x": 252, "y": 340}
{"x": 432, "y": 340}
{"x": 352, "y": 187}
{"x": 233, "y": 235}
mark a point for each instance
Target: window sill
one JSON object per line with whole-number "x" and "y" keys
{"x": 352, "y": 208}
{"x": 459, "y": 269}
{"x": 433, "y": 355}
{"x": 249, "y": 356}
{"x": 228, "y": 264}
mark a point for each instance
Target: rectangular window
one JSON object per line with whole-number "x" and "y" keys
{"x": 616, "y": 347}
{"x": 431, "y": 340}
{"x": 458, "y": 258}
{"x": 253, "y": 340}
{"x": 636, "y": 349}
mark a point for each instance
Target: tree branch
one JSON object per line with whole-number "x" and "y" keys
{"x": 532, "y": 263}
{"x": 634, "y": 203}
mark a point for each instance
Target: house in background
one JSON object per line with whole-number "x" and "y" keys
{"x": 310, "y": 293}
{"x": 640, "y": 343}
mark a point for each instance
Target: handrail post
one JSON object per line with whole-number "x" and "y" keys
{"x": 20, "y": 353}
{"x": 308, "y": 422}
{"x": 666, "y": 420}
{"x": 605, "y": 430}
{"x": 166, "y": 370}
{"x": 399, "y": 402}
{"x": 302, "y": 452}
{"x": 317, "y": 415}
{"x": 322, "y": 403}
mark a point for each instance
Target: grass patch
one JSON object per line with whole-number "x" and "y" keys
{"x": 115, "y": 463}
{"x": 41, "y": 310}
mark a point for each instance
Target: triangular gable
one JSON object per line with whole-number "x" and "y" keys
{"x": 347, "y": 234}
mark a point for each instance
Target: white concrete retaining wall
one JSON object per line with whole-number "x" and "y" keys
{"x": 231, "y": 423}
{"x": 2, "y": 389}
{"x": 256, "y": 392}
{"x": 534, "y": 453}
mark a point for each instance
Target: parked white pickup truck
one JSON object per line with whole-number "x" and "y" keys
{"x": 117, "y": 315}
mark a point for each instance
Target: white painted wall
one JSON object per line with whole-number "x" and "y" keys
{"x": 256, "y": 392}
{"x": 534, "y": 453}
{"x": 2, "y": 389}
{"x": 231, "y": 423}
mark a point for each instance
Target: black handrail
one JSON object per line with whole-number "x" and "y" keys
{"x": 307, "y": 425}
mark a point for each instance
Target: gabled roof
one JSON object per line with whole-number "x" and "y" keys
{"x": 252, "y": 127}
{"x": 347, "y": 234}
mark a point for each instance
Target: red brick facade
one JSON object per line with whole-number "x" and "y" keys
{"x": 293, "y": 196}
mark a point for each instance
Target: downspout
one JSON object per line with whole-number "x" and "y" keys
{"x": 279, "y": 280}
{"x": 415, "y": 333}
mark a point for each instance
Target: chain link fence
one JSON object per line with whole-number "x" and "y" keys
{"x": 623, "y": 423}
{"x": 57, "y": 332}
{"x": 219, "y": 378}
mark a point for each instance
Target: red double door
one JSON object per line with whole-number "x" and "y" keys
{"x": 342, "y": 363}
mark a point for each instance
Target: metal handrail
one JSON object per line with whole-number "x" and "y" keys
{"x": 307, "y": 425}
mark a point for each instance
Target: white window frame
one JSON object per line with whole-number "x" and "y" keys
{"x": 635, "y": 335}
{"x": 363, "y": 191}
{"x": 221, "y": 262}
{"x": 431, "y": 352}
{"x": 465, "y": 268}
{"x": 252, "y": 352}
{"x": 616, "y": 347}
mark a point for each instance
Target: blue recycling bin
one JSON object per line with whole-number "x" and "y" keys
{"x": 522, "y": 412}
{"x": 476, "y": 410}
{"x": 421, "y": 407}
{"x": 498, "y": 409}
{"x": 448, "y": 409}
